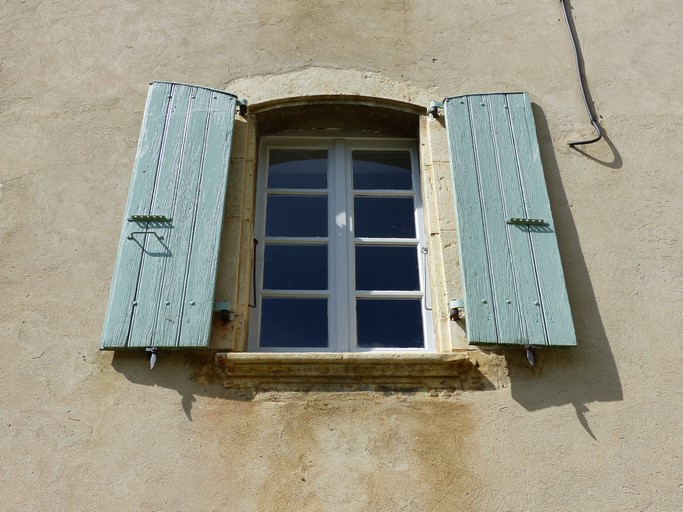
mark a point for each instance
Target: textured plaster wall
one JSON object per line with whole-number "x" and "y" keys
{"x": 593, "y": 428}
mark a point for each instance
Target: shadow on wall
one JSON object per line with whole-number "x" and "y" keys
{"x": 588, "y": 372}
{"x": 189, "y": 373}
{"x": 197, "y": 373}
{"x": 577, "y": 376}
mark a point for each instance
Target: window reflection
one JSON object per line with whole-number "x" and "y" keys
{"x": 384, "y": 170}
{"x": 297, "y": 168}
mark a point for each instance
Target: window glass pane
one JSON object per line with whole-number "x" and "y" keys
{"x": 296, "y": 216}
{"x": 382, "y": 170}
{"x": 292, "y": 322}
{"x": 386, "y": 268}
{"x": 297, "y": 168}
{"x": 386, "y": 323}
{"x": 384, "y": 217}
{"x": 295, "y": 267}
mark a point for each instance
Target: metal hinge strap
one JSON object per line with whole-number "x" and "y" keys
{"x": 149, "y": 218}
{"x": 531, "y": 222}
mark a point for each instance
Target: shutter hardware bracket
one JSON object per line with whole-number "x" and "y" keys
{"x": 130, "y": 236}
{"x": 457, "y": 312}
{"x": 152, "y": 356}
{"x": 457, "y": 309}
{"x": 530, "y": 222}
{"x": 242, "y": 106}
{"x": 434, "y": 107}
{"x": 149, "y": 218}
{"x": 223, "y": 310}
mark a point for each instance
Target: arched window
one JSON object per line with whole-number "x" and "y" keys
{"x": 341, "y": 254}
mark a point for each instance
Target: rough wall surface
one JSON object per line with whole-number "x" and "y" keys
{"x": 593, "y": 428}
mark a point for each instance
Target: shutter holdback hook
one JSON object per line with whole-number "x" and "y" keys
{"x": 152, "y": 356}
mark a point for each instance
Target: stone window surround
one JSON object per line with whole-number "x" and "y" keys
{"x": 240, "y": 368}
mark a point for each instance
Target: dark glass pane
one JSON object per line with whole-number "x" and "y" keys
{"x": 296, "y": 216}
{"x": 384, "y": 217}
{"x": 386, "y": 268}
{"x": 297, "y": 168}
{"x": 383, "y": 323}
{"x": 293, "y": 323}
{"x": 382, "y": 170}
{"x": 295, "y": 267}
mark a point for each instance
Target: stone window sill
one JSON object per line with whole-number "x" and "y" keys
{"x": 345, "y": 370}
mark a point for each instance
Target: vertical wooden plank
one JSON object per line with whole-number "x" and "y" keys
{"x": 470, "y": 221}
{"x": 200, "y": 279}
{"x": 129, "y": 256}
{"x": 509, "y": 324}
{"x": 525, "y": 293}
{"x": 159, "y": 253}
{"x": 552, "y": 289}
{"x": 182, "y": 201}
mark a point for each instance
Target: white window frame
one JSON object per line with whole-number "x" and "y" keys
{"x": 341, "y": 293}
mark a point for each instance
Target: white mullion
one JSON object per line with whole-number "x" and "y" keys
{"x": 297, "y": 192}
{"x": 281, "y": 240}
{"x": 395, "y": 242}
{"x": 332, "y": 317}
{"x": 259, "y": 252}
{"x": 383, "y": 193}
{"x": 351, "y": 252}
{"x": 338, "y": 250}
{"x": 296, "y": 293}
{"x": 427, "y": 321}
{"x": 352, "y": 331}
{"x": 389, "y": 294}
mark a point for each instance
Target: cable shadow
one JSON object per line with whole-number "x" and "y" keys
{"x": 616, "y": 163}
{"x": 588, "y": 372}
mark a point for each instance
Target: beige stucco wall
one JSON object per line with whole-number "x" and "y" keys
{"x": 592, "y": 428}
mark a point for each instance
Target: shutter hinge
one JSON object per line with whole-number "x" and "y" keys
{"x": 457, "y": 309}
{"x": 223, "y": 310}
{"x": 242, "y": 106}
{"x": 434, "y": 107}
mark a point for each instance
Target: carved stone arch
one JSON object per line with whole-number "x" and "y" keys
{"x": 347, "y": 101}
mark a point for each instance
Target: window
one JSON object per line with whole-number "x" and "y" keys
{"x": 341, "y": 263}
{"x": 341, "y": 256}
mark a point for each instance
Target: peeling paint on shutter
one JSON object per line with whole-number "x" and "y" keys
{"x": 513, "y": 282}
{"x": 165, "y": 273}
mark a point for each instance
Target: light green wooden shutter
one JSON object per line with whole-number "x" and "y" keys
{"x": 512, "y": 275}
{"x": 164, "y": 279}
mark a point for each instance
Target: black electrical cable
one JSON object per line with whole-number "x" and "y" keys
{"x": 580, "y": 72}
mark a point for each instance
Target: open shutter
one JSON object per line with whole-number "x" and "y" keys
{"x": 512, "y": 274}
{"x": 164, "y": 278}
